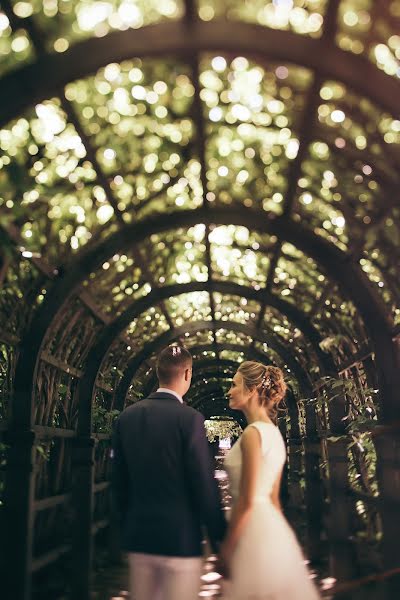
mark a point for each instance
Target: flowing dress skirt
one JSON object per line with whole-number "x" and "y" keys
{"x": 268, "y": 563}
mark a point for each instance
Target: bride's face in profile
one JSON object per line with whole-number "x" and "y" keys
{"x": 238, "y": 394}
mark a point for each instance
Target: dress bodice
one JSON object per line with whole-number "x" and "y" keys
{"x": 273, "y": 458}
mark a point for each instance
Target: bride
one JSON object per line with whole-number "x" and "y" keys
{"x": 260, "y": 556}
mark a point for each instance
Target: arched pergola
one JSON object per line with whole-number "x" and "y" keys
{"x": 214, "y": 178}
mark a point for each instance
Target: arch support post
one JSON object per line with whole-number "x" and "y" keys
{"x": 342, "y": 554}
{"x": 388, "y": 471}
{"x": 19, "y": 513}
{"x": 387, "y": 446}
{"x": 342, "y": 559}
{"x": 295, "y": 457}
{"x": 314, "y": 492}
{"x": 82, "y": 499}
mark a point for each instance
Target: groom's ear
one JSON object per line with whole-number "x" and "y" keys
{"x": 188, "y": 374}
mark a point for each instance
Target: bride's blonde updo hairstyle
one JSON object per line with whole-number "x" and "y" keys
{"x": 269, "y": 382}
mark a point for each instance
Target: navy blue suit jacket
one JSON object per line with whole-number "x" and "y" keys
{"x": 163, "y": 481}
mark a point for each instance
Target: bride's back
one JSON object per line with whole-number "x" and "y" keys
{"x": 273, "y": 458}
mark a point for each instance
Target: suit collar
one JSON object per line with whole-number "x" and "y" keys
{"x": 164, "y": 396}
{"x": 165, "y": 390}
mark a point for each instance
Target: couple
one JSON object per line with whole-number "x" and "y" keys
{"x": 166, "y": 495}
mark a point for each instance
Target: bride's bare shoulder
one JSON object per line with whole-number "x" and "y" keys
{"x": 251, "y": 435}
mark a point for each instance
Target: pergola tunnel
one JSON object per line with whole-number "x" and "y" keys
{"x": 218, "y": 174}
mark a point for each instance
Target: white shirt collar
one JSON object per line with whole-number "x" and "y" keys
{"x": 167, "y": 391}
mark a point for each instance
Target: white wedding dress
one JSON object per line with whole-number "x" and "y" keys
{"x": 267, "y": 563}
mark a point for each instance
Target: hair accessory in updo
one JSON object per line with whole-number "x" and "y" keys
{"x": 265, "y": 382}
{"x": 176, "y": 350}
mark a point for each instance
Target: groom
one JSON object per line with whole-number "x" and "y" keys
{"x": 163, "y": 486}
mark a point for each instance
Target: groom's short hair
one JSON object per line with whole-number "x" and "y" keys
{"x": 172, "y": 362}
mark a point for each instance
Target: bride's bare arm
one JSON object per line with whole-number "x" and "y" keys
{"x": 250, "y": 445}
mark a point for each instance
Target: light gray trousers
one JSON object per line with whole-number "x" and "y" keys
{"x": 154, "y": 577}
